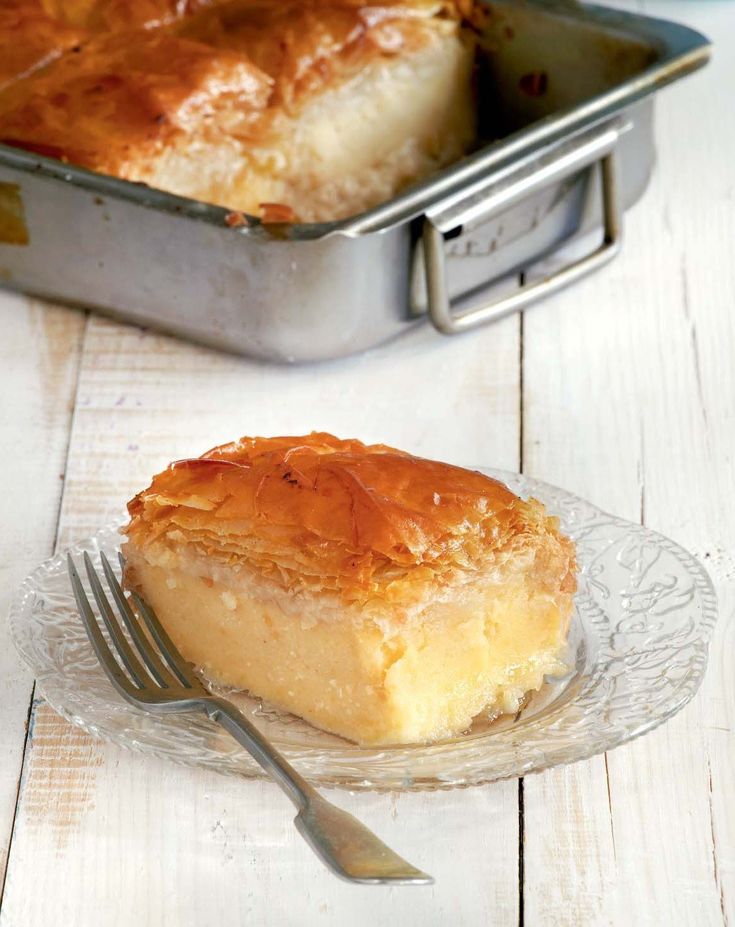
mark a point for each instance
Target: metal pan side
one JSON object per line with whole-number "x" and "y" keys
{"x": 676, "y": 51}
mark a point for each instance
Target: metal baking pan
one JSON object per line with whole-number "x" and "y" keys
{"x": 568, "y": 91}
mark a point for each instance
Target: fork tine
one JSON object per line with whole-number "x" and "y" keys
{"x": 155, "y": 665}
{"x": 178, "y": 664}
{"x": 130, "y": 661}
{"x": 99, "y": 644}
{"x": 169, "y": 650}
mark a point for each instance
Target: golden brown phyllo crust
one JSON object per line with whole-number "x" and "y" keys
{"x": 111, "y": 104}
{"x": 320, "y": 514}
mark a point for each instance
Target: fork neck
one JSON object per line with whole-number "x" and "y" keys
{"x": 266, "y": 755}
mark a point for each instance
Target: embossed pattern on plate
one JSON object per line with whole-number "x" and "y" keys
{"x": 644, "y": 615}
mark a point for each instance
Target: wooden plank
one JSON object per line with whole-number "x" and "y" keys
{"x": 39, "y": 355}
{"x": 629, "y": 392}
{"x": 147, "y": 842}
{"x": 126, "y": 839}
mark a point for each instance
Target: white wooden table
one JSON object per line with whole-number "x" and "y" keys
{"x": 621, "y": 390}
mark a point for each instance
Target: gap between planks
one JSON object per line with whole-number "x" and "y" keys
{"x": 33, "y": 702}
{"x": 521, "y": 818}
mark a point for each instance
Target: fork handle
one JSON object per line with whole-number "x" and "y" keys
{"x": 343, "y": 843}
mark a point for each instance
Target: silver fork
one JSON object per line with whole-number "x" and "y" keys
{"x": 153, "y": 675}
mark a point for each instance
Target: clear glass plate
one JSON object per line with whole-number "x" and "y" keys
{"x": 644, "y": 615}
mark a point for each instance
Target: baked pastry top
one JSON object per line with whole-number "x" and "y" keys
{"x": 327, "y": 515}
{"x": 244, "y": 102}
{"x": 303, "y": 45}
{"x": 30, "y": 38}
{"x": 76, "y": 113}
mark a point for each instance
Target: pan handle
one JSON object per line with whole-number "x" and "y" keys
{"x": 470, "y": 209}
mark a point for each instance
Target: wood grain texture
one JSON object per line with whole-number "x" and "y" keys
{"x": 39, "y": 355}
{"x": 636, "y": 414}
{"x": 177, "y": 846}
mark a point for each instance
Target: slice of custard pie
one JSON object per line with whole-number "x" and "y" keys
{"x": 380, "y": 596}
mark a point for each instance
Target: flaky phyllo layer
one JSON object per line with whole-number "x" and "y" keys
{"x": 317, "y": 514}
